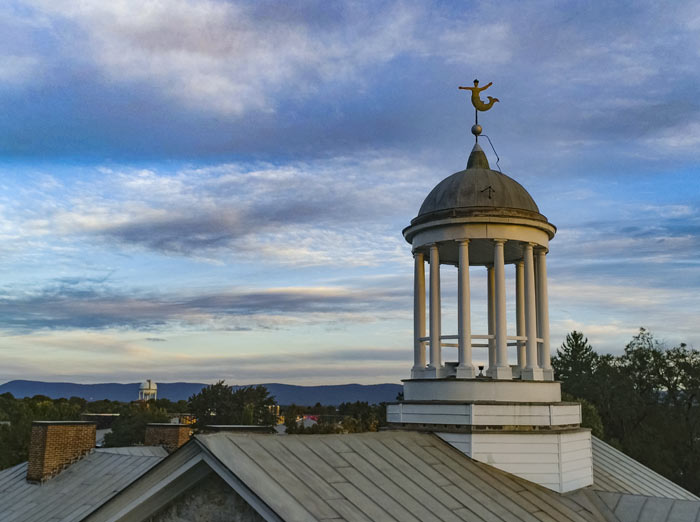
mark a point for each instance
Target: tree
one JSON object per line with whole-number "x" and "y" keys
{"x": 590, "y": 418}
{"x": 575, "y": 364}
{"x": 648, "y": 400}
{"x": 129, "y": 429}
{"x": 220, "y": 404}
{"x": 14, "y": 438}
{"x": 644, "y": 363}
{"x": 104, "y": 406}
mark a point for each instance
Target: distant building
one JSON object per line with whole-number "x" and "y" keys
{"x": 148, "y": 390}
{"x": 182, "y": 418}
{"x": 275, "y": 410}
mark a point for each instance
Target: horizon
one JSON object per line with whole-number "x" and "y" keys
{"x": 205, "y": 383}
{"x": 216, "y": 190}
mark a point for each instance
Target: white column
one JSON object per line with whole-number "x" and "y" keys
{"x": 503, "y": 370}
{"x": 491, "y": 303}
{"x": 543, "y": 314}
{"x": 435, "y": 347}
{"x": 520, "y": 310}
{"x": 418, "y": 314}
{"x": 532, "y": 370}
{"x": 465, "y": 368}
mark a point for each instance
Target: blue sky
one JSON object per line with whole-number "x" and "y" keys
{"x": 205, "y": 190}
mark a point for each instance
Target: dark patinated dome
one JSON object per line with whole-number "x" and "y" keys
{"x": 477, "y": 187}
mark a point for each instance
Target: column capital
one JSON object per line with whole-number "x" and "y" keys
{"x": 417, "y": 253}
{"x": 461, "y": 240}
{"x": 540, "y": 249}
{"x": 499, "y": 240}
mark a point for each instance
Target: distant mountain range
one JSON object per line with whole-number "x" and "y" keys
{"x": 175, "y": 391}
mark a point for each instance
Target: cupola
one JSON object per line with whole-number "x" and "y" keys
{"x": 510, "y": 415}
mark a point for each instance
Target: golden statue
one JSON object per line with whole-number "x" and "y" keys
{"x": 476, "y": 100}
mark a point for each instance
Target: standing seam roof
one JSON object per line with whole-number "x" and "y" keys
{"x": 76, "y": 491}
{"x": 385, "y": 476}
{"x": 613, "y": 471}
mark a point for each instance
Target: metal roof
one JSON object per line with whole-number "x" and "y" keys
{"x": 385, "y": 476}
{"x": 637, "y": 508}
{"x": 614, "y": 471}
{"x": 77, "y": 490}
{"x": 467, "y": 188}
{"x": 478, "y": 187}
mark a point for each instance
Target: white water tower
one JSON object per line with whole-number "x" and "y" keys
{"x": 148, "y": 390}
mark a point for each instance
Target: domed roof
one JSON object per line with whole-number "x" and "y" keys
{"x": 477, "y": 187}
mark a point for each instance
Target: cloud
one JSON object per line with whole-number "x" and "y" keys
{"x": 229, "y": 58}
{"x": 17, "y": 69}
{"x": 326, "y": 212}
{"x": 628, "y": 239}
{"x": 86, "y": 306}
{"x": 223, "y": 79}
{"x": 109, "y": 355}
{"x": 683, "y": 136}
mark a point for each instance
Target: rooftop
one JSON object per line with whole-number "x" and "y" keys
{"x": 393, "y": 475}
{"x": 76, "y": 491}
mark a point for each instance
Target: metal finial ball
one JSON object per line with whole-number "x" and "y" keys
{"x": 476, "y": 129}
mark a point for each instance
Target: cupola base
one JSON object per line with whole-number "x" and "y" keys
{"x": 481, "y": 389}
{"x": 518, "y": 426}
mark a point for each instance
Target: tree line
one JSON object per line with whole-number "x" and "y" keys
{"x": 645, "y": 401}
{"x": 218, "y": 403}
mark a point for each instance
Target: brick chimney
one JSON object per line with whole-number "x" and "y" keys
{"x": 170, "y": 436}
{"x": 54, "y": 445}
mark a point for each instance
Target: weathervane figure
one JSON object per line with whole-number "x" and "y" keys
{"x": 479, "y": 105}
{"x": 476, "y": 100}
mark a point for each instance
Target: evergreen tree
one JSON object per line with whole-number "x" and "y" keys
{"x": 575, "y": 365}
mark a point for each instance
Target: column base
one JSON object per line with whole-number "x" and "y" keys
{"x": 500, "y": 372}
{"x": 548, "y": 374}
{"x": 418, "y": 372}
{"x": 532, "y": 374}
{"x": 432, "y": 372}
{"x": 465, "y": 372}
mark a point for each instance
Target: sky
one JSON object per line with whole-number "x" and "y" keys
{"x": 204, "y": 190}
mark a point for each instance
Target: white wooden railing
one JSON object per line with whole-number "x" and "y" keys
{"x": 516, "y": 338}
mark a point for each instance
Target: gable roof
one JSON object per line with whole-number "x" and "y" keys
{"x": 613, "y": 471}
{"x": 76, "y": 491}
{"x": 387, "y": 476}
{"x": 394, "y": 475}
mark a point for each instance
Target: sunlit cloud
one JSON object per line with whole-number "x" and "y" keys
{"x": 79, "y": 305}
